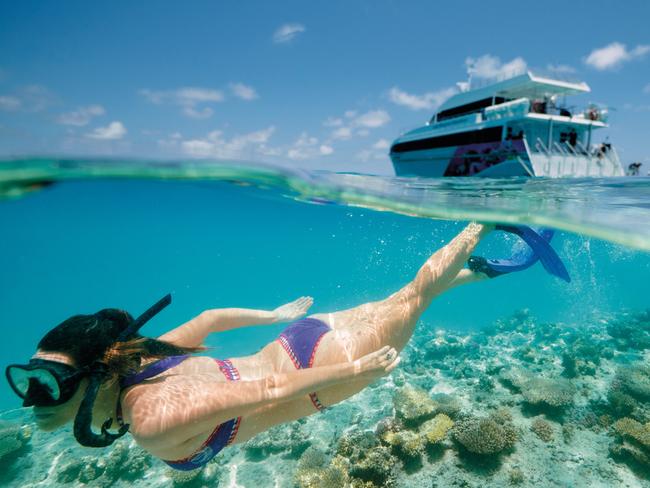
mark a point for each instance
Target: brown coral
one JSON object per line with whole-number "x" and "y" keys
{"x": 413, "y": 405}
{"x": 436, "y": 429}
{"x": 484, "y": 435}
{"x": 543, "y": 429}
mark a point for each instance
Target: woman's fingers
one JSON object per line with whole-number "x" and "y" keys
{"x": 385, "y": 359}
{"x": 393, "y": 365}
{"x": 304, "y": 302}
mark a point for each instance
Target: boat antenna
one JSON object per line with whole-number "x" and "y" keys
{"x": 465, "y": 86}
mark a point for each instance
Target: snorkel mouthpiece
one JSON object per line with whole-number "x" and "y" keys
{"x": 98, "y": 372}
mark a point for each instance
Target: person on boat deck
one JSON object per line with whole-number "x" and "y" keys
{"x": 98, "y": 371}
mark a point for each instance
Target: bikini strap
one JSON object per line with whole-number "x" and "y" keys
{"x": 154, "y": 369}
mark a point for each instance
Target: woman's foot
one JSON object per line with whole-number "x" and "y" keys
{"x": 536, "y": 248}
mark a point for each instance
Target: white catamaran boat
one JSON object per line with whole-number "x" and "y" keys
{"x": 510, "y": 127}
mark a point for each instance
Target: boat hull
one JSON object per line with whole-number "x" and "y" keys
{"x": 493, "y": 159}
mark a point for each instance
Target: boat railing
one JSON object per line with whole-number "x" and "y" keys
{"x": 565, "y": 159}
{"x": 559, "y": 148}
{"x": 541, "y": 147}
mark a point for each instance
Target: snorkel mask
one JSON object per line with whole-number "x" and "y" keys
{"x": 44, "y": 383}
{"x": 49, "y": 383}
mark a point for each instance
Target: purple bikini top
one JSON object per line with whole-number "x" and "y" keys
{"x": 221, "y": 436}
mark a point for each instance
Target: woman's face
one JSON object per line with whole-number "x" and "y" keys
{"x": 53, "y": 417}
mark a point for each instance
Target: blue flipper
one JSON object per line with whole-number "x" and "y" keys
{"x": 536, "y": 248}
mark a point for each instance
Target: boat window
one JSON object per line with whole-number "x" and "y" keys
{"x": 469, "y": 108}
{"x": 492, "y": 134}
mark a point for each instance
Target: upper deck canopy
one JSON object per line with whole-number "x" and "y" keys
{"x": 524, "y": 85}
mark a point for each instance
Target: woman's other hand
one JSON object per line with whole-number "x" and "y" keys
{"x": 293, "y": 310}
{"x": 378, "y": 363}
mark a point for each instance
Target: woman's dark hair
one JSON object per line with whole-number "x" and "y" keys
{"x": 91, "y": 338}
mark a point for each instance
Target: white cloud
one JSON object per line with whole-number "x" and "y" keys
{"x": 377, "y": 152}
{"x": 113, "y": 131}
{"x": 244, "y": 92}
{"x": 238, "y": 147}
{"x": 287, "y": 32}
{"x": 9, "y": 103}
{"x": 646, "y": 89}
{"x": 428, "y": 101}
{"x": 489, "y": 66}
{"x": 341, "y": 133}
{"x": 188, "y": 98}
{"x": 36, "y": 98}
{"x": 381, "y": 144}
{"x": 307, "y": 147}
{"x": 372, "y": 119}
{"x": 333, "y": 122}
{"x": 29, "y": 98}
{"x": 614, "y": 54}
{"x": 353, "y": 123}
{"x": 82, "y": 116}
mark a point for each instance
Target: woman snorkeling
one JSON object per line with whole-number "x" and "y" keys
{"x": 98, "y": 371}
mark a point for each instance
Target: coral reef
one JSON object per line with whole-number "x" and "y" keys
{"x": 558, "y": 392}
{"x": 13, "y": 437}
{"x": 446, "y": 344}
{"x": 314, "y": 470}
{"x": 413, "y": 405}
{"x": 542, "y": 429}
{"x": 635, "y": 380}
{"x": 484, "y": 436}
{"x": 632, "y": 441}
{"x": 512, "y": 405}
{"x": 447, "y": 404}
{"x": 406, "y": 444}
{"x": 186, "y": 478}
{"x": 516, "y": 476}
{"x": 435, "y": 430}
{"x": 630, "y": 331}
{"x": 290, "y": 440}
{"x": 370, "y": 461}
{"x": 125, "y": 462}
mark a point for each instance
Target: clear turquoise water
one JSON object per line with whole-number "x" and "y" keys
{"x": 222, "y": 236}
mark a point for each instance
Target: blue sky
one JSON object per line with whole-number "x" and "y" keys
{"x": 303, "y": 84}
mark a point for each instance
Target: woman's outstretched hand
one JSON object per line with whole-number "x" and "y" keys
{"x": 293, "y": 310}
{"x": 376, "y": 364}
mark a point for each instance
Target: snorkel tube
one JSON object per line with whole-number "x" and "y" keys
{"x": 97, "y": 373}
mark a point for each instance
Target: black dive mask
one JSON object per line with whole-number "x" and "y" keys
{"x": 44, "y": 383}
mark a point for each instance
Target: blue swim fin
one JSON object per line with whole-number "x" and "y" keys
{"x": 534, "y": 246}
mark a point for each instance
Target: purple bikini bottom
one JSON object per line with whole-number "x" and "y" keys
{"x": 300, "y": 339}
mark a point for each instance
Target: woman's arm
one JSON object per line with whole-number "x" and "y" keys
{"x": 194, "y": 332}
{"x": 206, "y": 404}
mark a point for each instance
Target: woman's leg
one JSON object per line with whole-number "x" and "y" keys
{"x": 368, "y": 327}
{"x": 391, "y": 321}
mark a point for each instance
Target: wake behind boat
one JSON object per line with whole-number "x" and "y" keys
{"x": 510, "y": 127}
